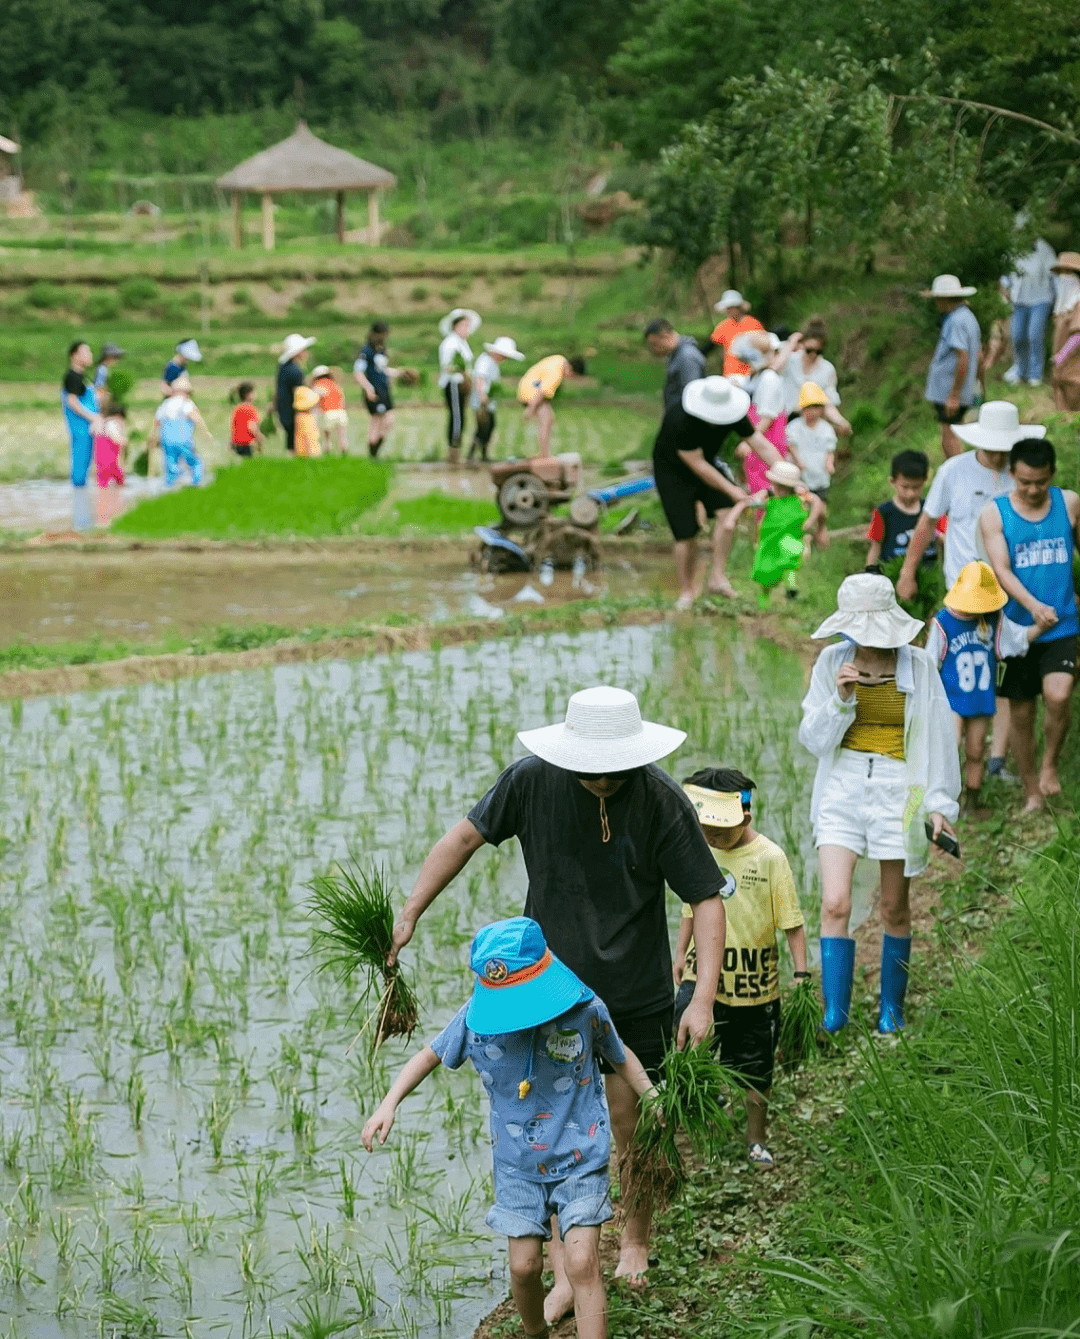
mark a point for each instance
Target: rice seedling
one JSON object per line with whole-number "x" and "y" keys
{"x": 359, "y": 914}
{"x": 800, "y": 1025}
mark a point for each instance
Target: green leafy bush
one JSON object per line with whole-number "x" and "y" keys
{"x": 44, "y": 295}
{"x": 102, "y": 305}
{"x": 139, "y": 292}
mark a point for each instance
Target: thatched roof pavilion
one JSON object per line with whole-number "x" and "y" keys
{"x": 303, "y": 162}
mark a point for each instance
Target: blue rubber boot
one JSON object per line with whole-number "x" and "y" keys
{"x": 837, "y": 973}
{"x": 895, "y": 955}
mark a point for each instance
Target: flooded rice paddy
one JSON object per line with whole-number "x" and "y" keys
{"x": 179, "y": 1111}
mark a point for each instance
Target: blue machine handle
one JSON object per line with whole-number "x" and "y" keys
{"x": 618, "y": 492}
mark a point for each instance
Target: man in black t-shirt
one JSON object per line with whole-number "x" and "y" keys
{"x": 602, "y": 831}
{"x": 686, "y": 471}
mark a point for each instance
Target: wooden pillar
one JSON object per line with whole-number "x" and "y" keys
{"x": 373, "y": 217}
{"x": 268, "y": 221}
{"x": 341, "y": 216}
{"x": 237, "y": 223}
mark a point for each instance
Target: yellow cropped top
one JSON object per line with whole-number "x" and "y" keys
{"x": 879, "y": 720}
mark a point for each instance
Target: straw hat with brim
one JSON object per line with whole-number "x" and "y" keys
{"x": 947, "y": 286}
{"x": 519, "y": 983}
{"x": 506, "y": 346}
{"x": 447, "y": 323}
{"x": 785, "y": 473}
{"x": 976, "y": 590}
{"x": 189, "y": 349}
{"x": 716, "y": 808}
{"x": 1067, "y": 262}
{"x": 731, "y": 297}
{"x": 716, "y": 400}
{"x": 810, "y": 393}
{"x": 293, "y": 345}
{"x": 998, "y": 427}
{"x": 603, "y": 733}
{"x": 867, "y": 614}
{"x": 321, "y": 371}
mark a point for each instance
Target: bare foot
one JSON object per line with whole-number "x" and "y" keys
{"x": 558, "y": 1303}
{"x": 684, "y": 604}
{"x": 1048, "y": 781}
{"x": 723, "y": 587}
{"x": 1034, "y": 804}
{"x": 633, "y": 1265}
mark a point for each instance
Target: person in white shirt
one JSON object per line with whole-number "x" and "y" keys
{"x": 455, "y": 373}
{"x": 804, "y": 362}
{"x": 485, "y": 382}
{"x": 812, "y": 443}
{"x": 1031, "y": 292}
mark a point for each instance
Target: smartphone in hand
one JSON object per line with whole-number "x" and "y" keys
{"x": 945, "y": 840}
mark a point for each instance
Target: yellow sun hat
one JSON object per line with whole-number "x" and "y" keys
{"x": 976, "y": 591}
{"x": 810, "y": 393}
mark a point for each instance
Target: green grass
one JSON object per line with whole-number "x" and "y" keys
{"x": 432, "y": 514}
{"x": 264, "y": 498}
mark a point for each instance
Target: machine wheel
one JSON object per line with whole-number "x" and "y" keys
{"x": 523, "y": 499}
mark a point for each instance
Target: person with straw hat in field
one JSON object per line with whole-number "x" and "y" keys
{"x": 187, "y": 351}
{"x": 952, "y": 380}
{"x": 455, "y": 373}
{"x": 603, "y": 832}
{"x": 1065, "y": 357}
{"x": 735, "y": 311}
{"x": 966, "y": 639}
{"x": 290, "y": 378}
{"x": 487, "y": 378}
{"x": 877, "y": 719}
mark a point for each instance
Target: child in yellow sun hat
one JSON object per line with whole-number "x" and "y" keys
{"x": 968, "y": 639}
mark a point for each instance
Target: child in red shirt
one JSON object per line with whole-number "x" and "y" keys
{"x": 245, "y": 422}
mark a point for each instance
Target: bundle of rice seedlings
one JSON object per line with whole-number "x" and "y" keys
{"x": 800, "y": 1025}
{"x": 359, "y": 916}
{"x": 691, "y": 1099}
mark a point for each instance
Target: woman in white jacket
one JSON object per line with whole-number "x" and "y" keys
{"x": 878, "y": 721}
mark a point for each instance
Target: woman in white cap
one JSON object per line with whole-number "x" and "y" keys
{"x": 878, "y": 721}
{"x": 736, "y": 321}
{"x": 187, "y": 351}
{"x": 952, "y": 380}
{"x": 686, "y": 470}
{"x": 602, "y": 830}
{"x": 289, "y": 378}
{"x": 455, "y": 372}
{"x": 485, "y": 383}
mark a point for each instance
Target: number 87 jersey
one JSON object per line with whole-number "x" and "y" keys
{"x": 966, "y": 653}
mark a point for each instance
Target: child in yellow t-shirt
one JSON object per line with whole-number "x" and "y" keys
{"x": 747, "y": 1008}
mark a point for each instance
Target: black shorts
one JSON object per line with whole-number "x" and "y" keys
{"x": 290, "y": 434}
{"x": 1020, "y": 678}
{"x": 648, "y": 1036}
{"x": 242, "y": 448}
{"x": 380, "y": 406}
{"x": 745, "y": 1036}
{"x": 943, "y": 415}
{"x": 680, "y": 492}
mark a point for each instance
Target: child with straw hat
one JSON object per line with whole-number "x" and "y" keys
{"x": 967, "y": 638}
{"x": 535, "y": 1034}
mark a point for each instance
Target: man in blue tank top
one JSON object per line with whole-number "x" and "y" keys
{"x": 1029, "y": 537}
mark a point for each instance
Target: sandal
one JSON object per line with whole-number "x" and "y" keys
{"x": 759, "y": 1154}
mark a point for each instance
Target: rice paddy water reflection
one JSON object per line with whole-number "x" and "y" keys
{"x": 179, "y": 1122}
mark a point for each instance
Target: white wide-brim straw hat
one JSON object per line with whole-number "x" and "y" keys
{"x": 784, "y": 472}
{"x": 730, "y": 297}
{"x": 507, "y": 347}
{"x": 321, "y": 371}
{"x": 716, "y": 400}
{"x": 947, "y": 286}
{"x": 293, "y": 345}
{"x": 189, "y": 349}
{"x": 998, "y": 427}
{"x": 603, "y": 733}
{"x": 448, "y": 322}
{"x": 868, "y": 614}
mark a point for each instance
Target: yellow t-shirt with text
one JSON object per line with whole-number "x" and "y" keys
{"x": 764, "y": 903}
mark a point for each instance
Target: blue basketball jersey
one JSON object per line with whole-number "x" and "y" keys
{"x": 968, "y": 664}
{"x": 1041, "y": 554}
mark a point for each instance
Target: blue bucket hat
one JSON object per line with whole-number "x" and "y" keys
{"x": 519, "y": 981}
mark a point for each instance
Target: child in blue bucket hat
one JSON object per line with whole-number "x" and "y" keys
{"x": 535, "y": 1032}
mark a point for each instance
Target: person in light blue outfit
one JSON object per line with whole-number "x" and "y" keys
{"x": 78, "y": 399}
{"x": 535, "y": 1033}
{"x": 1031, "y": 292}
{"x": 175, "y": 421}
{"x": 952, "y": 380}
{"x": 110, "y": 356}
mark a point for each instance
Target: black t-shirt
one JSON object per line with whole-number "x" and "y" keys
{"x": 74, "y": 383}
{"x": 680, "y": 431}
{"x": 894, "y": 532}
{"x": 601, "y": 904}
{"x": 290, "y": 375}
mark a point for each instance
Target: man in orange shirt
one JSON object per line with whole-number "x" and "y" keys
{"x": 737, "y": 321}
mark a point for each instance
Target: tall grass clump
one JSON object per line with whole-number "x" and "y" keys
{"x": 358, "y": 935}
{"x": 949, "y": 1195}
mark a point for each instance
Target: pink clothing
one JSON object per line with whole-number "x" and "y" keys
{"x": 753, "y": 465}
{"x": 107, "y": 459}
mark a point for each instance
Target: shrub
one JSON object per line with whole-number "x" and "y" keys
{"x": 138, "y": 291}
{"x": 103, "y": 305}
{"x": 531, "y": 288}
{"x": 43, "y": 294}
{"x": 418, "y": 293}
{"x": 311, "y": 299}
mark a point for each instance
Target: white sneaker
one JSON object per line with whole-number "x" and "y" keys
{"x": 1012, "y": 375}
{"x": 1035, "y": 381}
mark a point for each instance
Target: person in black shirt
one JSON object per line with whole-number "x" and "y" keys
{"x": 290, "y": 375}
{"x": 686, "y": 471}
{"x": 373, "y": 374}
{"x": 602, "y": 831}
{"x": 893, "y": 521}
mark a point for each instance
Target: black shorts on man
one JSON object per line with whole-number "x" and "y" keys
{"x": 945, "y": 415}
{"x": 378, "y": 407}
{"x": 744, "y": 1037}
{"x": 1020, "y": 678}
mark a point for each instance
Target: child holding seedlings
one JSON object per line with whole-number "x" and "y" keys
{"x": 791, "y": 514}
{"x": 747, "y": 1009}
{"x": 110, "y": 443}
{"x": 967, "y": 638}
{"x": 812, "y": 442}
{"x": 244, "y": 432}
{"x": 535, "y": 1033}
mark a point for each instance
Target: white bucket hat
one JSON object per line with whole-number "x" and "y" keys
{"x": 321, "y": 371}
{"x": 867, "y": 613}
{"x": 506, "y": 346}
{"x": 755, "y": 347}
{"x": 785, "y": 473}
{"x": 998, "y": 427}
{"x": 716, "y": 400}
{"x": 731, "y": 297}
{"x": 189, "y": 349}
{"x": 293, "y": 345}
{"x": 603, "y": 733}
{"x": 448, "y": 322}
{"x": 947, "y": 286}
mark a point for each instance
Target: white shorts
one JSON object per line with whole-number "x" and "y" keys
{"x": 862, "y": 807}
{"x": 332, "y": 417}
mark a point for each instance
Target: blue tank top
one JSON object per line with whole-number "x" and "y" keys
{"x": 77, "y": 426}
{"x": 968, "y": 667}
{"x": 1041, "y": 554}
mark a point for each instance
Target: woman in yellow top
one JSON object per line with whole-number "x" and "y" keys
{"x": 537, "y": 389}
{"x": 306, "y": 436}
{"x": 878, "y": 721}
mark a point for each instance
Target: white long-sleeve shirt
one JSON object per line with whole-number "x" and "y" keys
{"x": 453, "y": 344}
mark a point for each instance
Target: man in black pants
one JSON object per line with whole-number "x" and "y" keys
{"x": 290, "y": 375}
{"x": 602, "y": 830}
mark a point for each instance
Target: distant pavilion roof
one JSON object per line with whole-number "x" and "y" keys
{"x": 303, "y": 162}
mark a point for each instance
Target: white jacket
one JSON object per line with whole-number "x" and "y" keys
{"x": 930, "y": 753}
